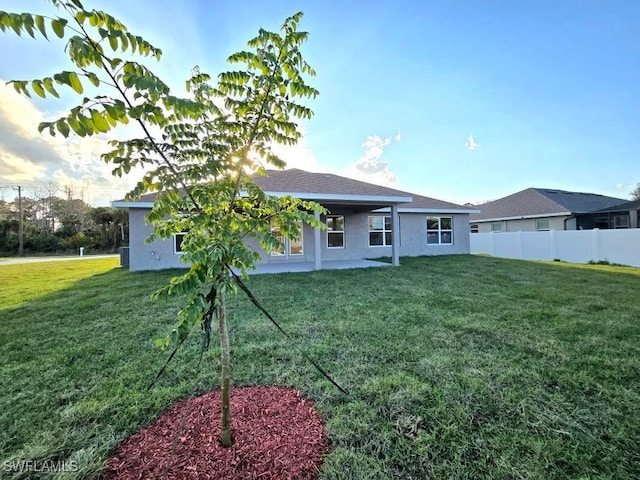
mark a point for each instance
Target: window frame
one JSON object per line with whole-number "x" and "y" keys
{"x": 335, "y": 232}
{"x": 539, "y": 229}
{"x": 175, "y": 243}
{"x": 383, "y": 231}
{"x": 439, "y": 231}
{"x": 493, "y": 224}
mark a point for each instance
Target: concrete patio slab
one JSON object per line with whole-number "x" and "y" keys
{"x": 291, "y": 267}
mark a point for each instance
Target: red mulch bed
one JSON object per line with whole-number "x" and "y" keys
{"x": 277, "y": 434}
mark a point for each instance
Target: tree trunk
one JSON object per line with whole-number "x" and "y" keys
{"x": 225, "y": 438}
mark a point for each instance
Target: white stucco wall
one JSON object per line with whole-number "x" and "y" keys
{"x": 148, "y": 256}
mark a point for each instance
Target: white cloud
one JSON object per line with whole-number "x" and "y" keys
{"x": 471, "y": 143}
{"x": 298, "y": 156}
{"x": 31, "y": 158}
{"x": 370, "y": 168}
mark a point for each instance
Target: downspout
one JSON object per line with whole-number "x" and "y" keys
{"x": 570, "y": 218}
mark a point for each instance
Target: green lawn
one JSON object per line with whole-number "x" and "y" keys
{"x": 457, "y": 367}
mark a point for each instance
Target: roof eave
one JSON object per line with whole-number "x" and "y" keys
{"x": 125, "y": 204}
{"x": 317, "y": 197}
{"x": 430, "y": 210}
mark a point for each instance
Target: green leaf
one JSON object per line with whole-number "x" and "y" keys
{"x": 77, "y": 127}
{"x": 113, "y": 41}
{"x": 87, "y": 124}
{"x": 36, "y": 85}
{"x": 93, "y": 78}
{"x": 58, "y": 26}
{"x": 27, "y": 21}
{"x": 48, "y": 85}
{"x": 20, "y": 86}
{"x": 15, "y": 22}
{"x": 99, "y": 122}
{"x": 133, "y": 41}
{"x": 74, "y": 82}
{"x": 40, "y": 24}
{"x": 125, "y": 42}
{"x": 63, "y": 127}
{"x": 110, "y": 119}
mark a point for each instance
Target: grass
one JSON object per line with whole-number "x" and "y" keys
{"x": 457, "y": 367}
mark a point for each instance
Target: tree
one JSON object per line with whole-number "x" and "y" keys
{"x": 201, "y": 163}
{"x": 635, "y": 193}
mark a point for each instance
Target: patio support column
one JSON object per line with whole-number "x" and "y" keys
{"x": 395, "y": 244}
{"x": 317, "y": 247}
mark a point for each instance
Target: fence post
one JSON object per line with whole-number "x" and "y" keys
{"x": 553, "y": 248}
{"x": 595, "y": 244}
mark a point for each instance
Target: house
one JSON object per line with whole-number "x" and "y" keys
{"x": 540, "y": 209}
{"x": 363, "y": 221}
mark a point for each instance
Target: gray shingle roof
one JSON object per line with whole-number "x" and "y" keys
{"x": 626, "y": 206}
{"x": 300, "y": 181}
{"x": 543, "y": 201}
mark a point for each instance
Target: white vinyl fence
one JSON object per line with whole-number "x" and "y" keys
{"x": 579, "y": 246}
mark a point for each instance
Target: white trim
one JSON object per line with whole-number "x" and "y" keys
{"x": 384, "y": 231}
{"x": 124, "y": 204}
{"x": 439, "y": 231}
{"x": 522, "y": 217}
{"x": 335, "y": 231}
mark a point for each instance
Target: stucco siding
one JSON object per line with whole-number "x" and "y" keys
{"x": 148, "y": 256}
{"x": 526, "y": 224}
{"x": 413, "y": 230}
{"x": 413, "y": 241}
{"x": 413, "y": 238}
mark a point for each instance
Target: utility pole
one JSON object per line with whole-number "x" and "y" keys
{"x": 21, "y": 227}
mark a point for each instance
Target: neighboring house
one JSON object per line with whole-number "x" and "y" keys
{"x": 623, "y": 215}
{"x": 363, "y": 221}
{"x": 540, "y": 209}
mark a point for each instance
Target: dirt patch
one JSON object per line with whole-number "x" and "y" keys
{"x": 278, "y": 434}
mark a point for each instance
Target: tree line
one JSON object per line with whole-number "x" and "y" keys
{"x": 55, "y": 224}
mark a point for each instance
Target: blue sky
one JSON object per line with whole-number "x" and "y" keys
{"x": 549, "y": 90}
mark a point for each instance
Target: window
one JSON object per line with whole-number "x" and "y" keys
{"x": 542, "y": 224}
{"x": 178, "y": 238}
{"x": 296, "y": 245}
{"x": 439, "y": 230}
{"x": 280, "y": 249}
{"x": 496, "y": 227}
{"x": 620, "y": 220}
{"x": 380, "y": 231}
{"x": 335, "y": 231}
{"x": 475, "y": 228}
{"x": 288, "y": 246}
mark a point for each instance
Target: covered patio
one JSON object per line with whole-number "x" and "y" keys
{"x": 292, "y": 267}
